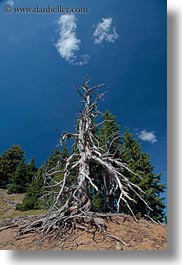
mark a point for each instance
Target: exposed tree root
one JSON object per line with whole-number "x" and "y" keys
{"x": 8, "y": 227}
{"x": 118, "y": 239}
{"x": 91, "y": 223}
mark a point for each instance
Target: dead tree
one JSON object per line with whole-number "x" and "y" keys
{"x": 76, "y": 210}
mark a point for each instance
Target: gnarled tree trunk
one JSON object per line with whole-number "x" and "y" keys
{"x": 77, "y": 208}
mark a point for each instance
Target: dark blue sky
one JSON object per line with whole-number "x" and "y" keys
{"x": 37, "y": 98}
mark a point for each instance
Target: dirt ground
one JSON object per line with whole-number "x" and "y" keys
{"x": 142, "y": 235}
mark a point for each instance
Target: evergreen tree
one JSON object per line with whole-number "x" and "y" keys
{"x": 18, "y": 180}
{"x": 140, "y": 163}
{"x": 64, "y": 154}
{"x": 31, "y": 170}
{"x": 53, "y": 159}
{"x": 34, "y": 192}
{"x": 109, "y": 134}
{"x": 9, "y": 162}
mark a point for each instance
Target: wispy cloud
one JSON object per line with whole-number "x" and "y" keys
{"x": 68, "y": 44}
{"x": 147, "y": 136}
{"x": 105, "y": 31}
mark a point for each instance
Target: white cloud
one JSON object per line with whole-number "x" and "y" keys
{"x": 147, "y": 136}
{"x": 105, "y": 31}
{"x": 68, "y": 44}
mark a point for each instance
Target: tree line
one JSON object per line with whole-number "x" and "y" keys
{"x": 20, "y": 177}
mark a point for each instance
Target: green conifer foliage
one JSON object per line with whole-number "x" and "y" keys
{"x": 140, "y": 163}
{"x": 9, "y": 162}
{"x": 129, "y": 151}
{"x": 53, "y": 159}
{"x": 18, "y": 180}
{"x": 34, "y": 192}
{"x": 109, "y": 134}
{"x": 31, "y": 170}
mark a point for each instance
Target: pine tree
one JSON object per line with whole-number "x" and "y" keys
{"x": 9, "y": 162}
{"x": 140, "y": 163}
{"x": 31, "y": 170}
{"x": 34, "y": 192}
{"x": 109, "y": 134}
{"x": 18, "y": 180}
{"x": 57, "y": 161}
{"x": 53, "y": 159}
